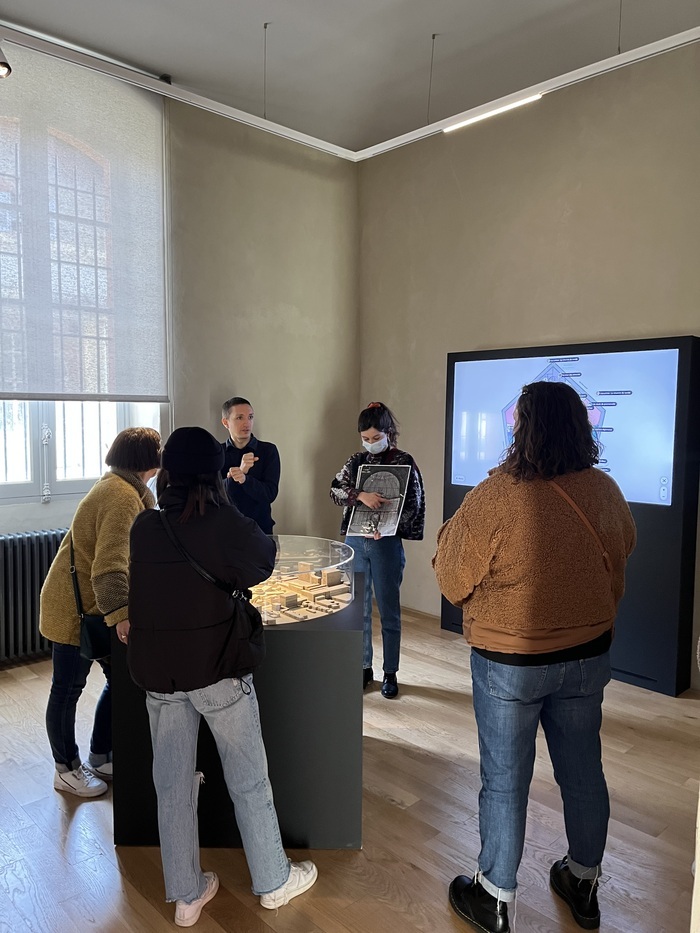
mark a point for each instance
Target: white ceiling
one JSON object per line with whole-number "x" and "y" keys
{"x": 355, "y": 72}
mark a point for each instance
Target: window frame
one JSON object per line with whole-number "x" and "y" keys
{"x": 29, "y": 490}
{"x": 44, "y": 486}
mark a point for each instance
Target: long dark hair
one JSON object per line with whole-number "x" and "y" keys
{"x": 552, "y": 433}
{"x": 381, "y": 418}
{"x": 202, "y": 489}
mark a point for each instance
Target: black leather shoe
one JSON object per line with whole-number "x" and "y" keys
{"x": 390, "y": 688}
{"x": 367, "y": 677}
{"x": 578, "y": 893}
{"x": 474, "y": 904}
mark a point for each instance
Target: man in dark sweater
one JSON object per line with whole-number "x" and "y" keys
{"x": 251, "y": 467}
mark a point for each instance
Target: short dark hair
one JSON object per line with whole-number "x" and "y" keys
{"x": 231, "y": 403}
{"x": 381, "y": 418}
{"x": 202, "y": 488}
{"x": 135, "y": 449}
{"x": 552, "y": 433}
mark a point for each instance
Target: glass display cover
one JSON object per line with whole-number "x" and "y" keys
{"x": 313, "y": 577}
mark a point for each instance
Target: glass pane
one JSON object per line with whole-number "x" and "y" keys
{"x": 145, "y": 415}
{"x": 84, "y": 432}
{"x": 15, "y": 463}
{"x": 66, "y": 201}
{"x": 9, "y": 277}
{"x": 86, "y": 239}
{"x": 85, "y": 206}
{"x": 69, "y": 283}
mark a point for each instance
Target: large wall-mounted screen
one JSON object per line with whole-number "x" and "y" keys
{"x": 642, "y": 397}
{"x": 631, "y": 401}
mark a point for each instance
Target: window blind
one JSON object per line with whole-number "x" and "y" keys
{"x": 82, "y": 295}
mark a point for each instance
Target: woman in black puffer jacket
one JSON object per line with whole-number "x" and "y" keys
{"x": 193, "y": 643}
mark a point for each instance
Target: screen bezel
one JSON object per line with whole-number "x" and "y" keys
{"x": 454, "y": 493}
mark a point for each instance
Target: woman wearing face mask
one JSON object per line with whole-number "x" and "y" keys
{"x": 381, "y": 559}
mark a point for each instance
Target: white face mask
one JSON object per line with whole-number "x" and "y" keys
{"x": 378, "y": 446}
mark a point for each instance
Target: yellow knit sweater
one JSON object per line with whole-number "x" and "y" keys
{"x": 100, "y": 533}
{"x": 529, "y": 576}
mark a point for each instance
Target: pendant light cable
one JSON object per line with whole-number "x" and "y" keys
{"x": 265, "y": 25}
{"x": 430, "y": 81}
{"x": 619, "y": 31}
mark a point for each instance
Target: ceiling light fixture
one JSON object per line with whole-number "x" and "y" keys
{"x": 492, "y": 113}
{"x": 5, "y": 67}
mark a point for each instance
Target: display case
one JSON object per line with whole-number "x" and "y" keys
{"x": 310, "y": 698}
{"x": 312, "y": 578}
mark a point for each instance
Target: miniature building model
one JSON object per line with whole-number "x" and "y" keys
{"x": 318, "y": 584}
{"x": 331, "y": 577}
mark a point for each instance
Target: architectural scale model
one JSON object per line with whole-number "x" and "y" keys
{"x": 304, "y": 587}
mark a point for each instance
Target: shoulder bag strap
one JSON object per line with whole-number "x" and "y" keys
{"x": 584, "y": 519}
{"x": 74, "y": 578}
{"x": 210, "y": 578}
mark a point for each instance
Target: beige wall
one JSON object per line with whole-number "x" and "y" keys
{"x": 264, "y": 260}
{"x": 576, "y": 218}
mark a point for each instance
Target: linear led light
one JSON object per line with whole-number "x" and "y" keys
{"x": 492, "y": 113}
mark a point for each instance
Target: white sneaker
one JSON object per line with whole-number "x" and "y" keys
{"x": 301, "y": 876}
{"x": 101, "y": 771}
{"x": 186, "y": 915}
{"x": 79, "y": 782}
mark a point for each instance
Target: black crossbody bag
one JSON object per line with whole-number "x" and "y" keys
{"x": 246, "y": 635}
{"x": 209, "y": 577}
{"x": 95, "y": 639}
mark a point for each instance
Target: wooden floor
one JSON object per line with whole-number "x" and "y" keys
{"x": 60, "y": 873}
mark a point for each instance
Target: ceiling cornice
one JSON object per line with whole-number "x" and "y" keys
{"x": 148, "y": 82}
{"x": 130, "y": 75}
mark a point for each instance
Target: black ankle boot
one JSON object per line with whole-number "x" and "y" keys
{"x": 474, "y": 904}
{"x": 578, "y": 893}
{"x": 367, "y": 677}
{"x": 390, "y": 687}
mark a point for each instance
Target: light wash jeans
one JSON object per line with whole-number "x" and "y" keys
{"x": 230, "y": 708}
{"x": 509, "y": 704}
{"x": 382, "y": 563}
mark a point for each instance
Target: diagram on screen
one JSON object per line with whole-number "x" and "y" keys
{"x": 554, "y": 372}
{"x": 630, "y": 397}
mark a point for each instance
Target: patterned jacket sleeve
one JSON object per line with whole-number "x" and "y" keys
{"x": 343, "y": 490}
{"x": 413, "y": 515}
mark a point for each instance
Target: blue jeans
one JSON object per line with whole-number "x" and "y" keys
{"x": 230, "y": 708}
{"x": 382, "y": 563}
{"x": 70, "y": 673}
{"x": 509, "y": 704}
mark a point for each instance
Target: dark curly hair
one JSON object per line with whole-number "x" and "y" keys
{"x": 552, "y": 434}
